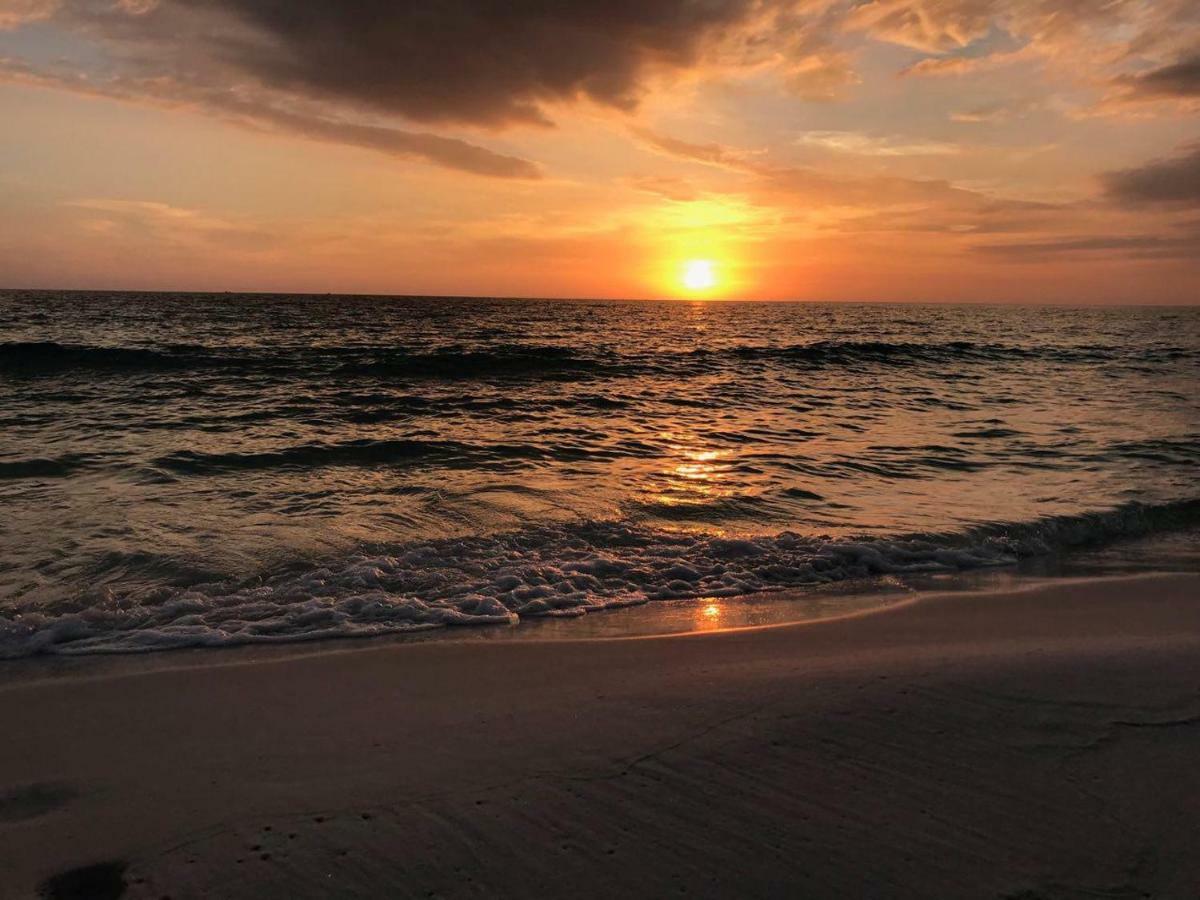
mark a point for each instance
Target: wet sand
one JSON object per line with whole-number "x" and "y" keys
{"x": 1040, "y": 743}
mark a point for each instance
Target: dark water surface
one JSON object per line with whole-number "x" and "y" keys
{"x": 204, "y": 470}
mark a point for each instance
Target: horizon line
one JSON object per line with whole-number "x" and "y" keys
{"x": 586, "y": 299}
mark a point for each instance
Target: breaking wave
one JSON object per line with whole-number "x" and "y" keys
{"x": 548, "y": 571}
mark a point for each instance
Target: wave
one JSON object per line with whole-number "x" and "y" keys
{"x": 51, "y": 358}
{"x": 32, "y": 358}
{"x": 825, "y": 353}
{"x": 886, "y": 462}
{"x": 311, "y": 456}
{"x": 525, "y": 361}
{"x": 1174, "y": 451}
{"x": 44, "y": 467}
{"x": 459, "y": 363}
{"x": 367, "y": 453}
{"x": 549, "y": 571}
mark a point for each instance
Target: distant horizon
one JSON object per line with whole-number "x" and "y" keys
{"x": 1115, "y": 304}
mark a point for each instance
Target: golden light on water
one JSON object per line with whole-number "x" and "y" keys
{"x": 692, "y": 476}
{"x": 708, "y": 616}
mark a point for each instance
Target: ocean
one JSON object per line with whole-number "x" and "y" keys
{"x": 181, "y": 470}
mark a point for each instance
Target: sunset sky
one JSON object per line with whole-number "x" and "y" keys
{"x": 975, "y": 150}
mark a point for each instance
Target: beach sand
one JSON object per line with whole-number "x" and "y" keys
{"x": 1038, "y": 743}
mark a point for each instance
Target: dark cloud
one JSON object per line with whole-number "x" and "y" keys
{"x": 449, "y": 152}
{"x": 259, "y": 113}
{"x": 498, "y": 62}
{"x": 350, "y": 71}
{"x": 1173, "y": 181}
{"x": 344, "y": 70}
{"x": 1178, "y": 80}
{"x": 483, "y": 62}
{"x": 1183, "y": 246}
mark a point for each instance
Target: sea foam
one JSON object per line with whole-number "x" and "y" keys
{"x": 549, "y": 571}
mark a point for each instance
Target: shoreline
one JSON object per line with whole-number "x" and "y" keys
{"x": 1164, "y": 553}
{"x": 366, "y": 595}
{"x": 980, "y": 744}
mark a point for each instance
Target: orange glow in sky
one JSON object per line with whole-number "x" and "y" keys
{"x": 882, "y": 150}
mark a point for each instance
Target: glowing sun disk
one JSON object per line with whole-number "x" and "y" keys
{"x": 699, "y": 275}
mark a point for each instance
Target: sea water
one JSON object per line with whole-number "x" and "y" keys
{"x": 204, "y": 470}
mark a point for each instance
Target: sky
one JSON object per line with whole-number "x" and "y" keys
{"x": 891, "y": 150}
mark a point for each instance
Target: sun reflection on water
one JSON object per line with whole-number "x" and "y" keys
{"x": 708, "y": 616}
{"x": 693, "y": 475}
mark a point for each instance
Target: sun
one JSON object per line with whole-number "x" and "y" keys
{"x": 699, "y": 274}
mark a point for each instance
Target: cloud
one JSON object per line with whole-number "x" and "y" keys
{"x": 1169, "y": 87}
{"x": 164, "y": 224}
{"x": 926, "y": 25}
{"x": 821, "y": 76}
{"x": 942, "y": 65}
{"x": 1136, "y": 224}
{"x": 1183, "y": 246}
{"x": 488, "y": 62}
{"x": 998, "y": 111}
{"x": 973, "y": 215}
{"x": 1177, "y": 80}
{"x": 859, "y": 144}
{"x": 15, "y": 13}
{"x": 449, "y": 152}
{"x": 1136, "y": 52}
{"x": 678, "y": 190}
{"x": 944, "y": 26}
{"x": 712, "y": 154}
{"x": 259, "y": 113}
{"x": 494, "y": 63}
{"x": 345, "y": 72}
{"x": 875, "y": 192}
{"x": 863, "y": 202}
{"x": 954, "y": 65}
{"x": 1174, "y": 181}
{"x": 1141, "y": 221}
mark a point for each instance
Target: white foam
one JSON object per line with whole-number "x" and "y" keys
{"x": 564, "y": 571}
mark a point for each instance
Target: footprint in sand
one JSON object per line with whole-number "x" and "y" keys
{"x": 100, "y": 881}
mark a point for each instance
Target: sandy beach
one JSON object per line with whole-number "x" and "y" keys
{"x": 1034, "y": 743}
